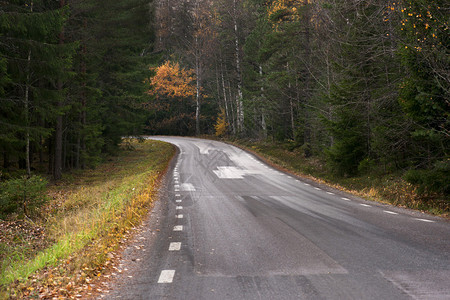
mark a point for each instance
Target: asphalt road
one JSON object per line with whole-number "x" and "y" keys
{"x": 231, "y": 227}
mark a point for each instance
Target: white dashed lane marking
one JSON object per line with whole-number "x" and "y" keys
{"x": 346, "y": 199}
{"x": 179, "y": 216}
{"x": 424, "y": 220}
{"x": 365, "y": 205}
{"x": 177, "y": 195}
{"x": 390, "y": 212}
{"x": 330, "y": 193}
{"x": 178, "y": 201}
{"x": 178, "y": 228}
{"x": 317, "y": 188}
{"x": 179, "y": 207}
{"x": 176, "y": 246}
{"x": 166, "y": 276}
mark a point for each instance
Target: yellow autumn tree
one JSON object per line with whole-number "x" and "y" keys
{"x": 285, "y": 10}
{"x": 221, "y": 124}
{"x": 172, "y": 81}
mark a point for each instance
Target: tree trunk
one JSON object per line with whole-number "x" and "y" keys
{"x": 83, "y": 102}
{"x": 51, "y": 155}
{"x": 291, "y": 106}
{"x": 41, "y": 144}
{"x": 197, "y": 80}
{"x": 77, "y": 152}
{"x": 263, "y": 118}
{"x": 57, "y": 168}
{"x": 233, "y": 117}
{"x": 6, "y": 160}
{"x": 27, "y": 104}
{"x": 239, "y": 104}
{"x": 291, "y": 113}
{"x": 27, "y": 123}
{"x": 307, "y": 130}
{"x": 227, "y": 112}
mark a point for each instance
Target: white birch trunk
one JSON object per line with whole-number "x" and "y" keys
{"x": 239, "y": 104}
{"x": 227, "y": 112}
{"x": 198, "y": 78}
{"x": 263, "y": 118}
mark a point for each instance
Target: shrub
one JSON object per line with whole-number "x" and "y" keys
{"x": 436, "y": 179}
{"x": 345, "y": 155}
{"x": 366, "y": 166}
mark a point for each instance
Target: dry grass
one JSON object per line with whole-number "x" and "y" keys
{"x": 89, "y": 214}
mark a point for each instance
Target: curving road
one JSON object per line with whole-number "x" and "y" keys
{"x": 231, "y": 227}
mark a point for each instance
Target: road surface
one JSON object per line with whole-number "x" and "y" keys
{"x": 231, "y": 227}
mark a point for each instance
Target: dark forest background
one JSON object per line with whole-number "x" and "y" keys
{"x": 360, "y": 85}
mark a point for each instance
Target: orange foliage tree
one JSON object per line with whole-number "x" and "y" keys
{"x": 174, "y": 90}
{"x": 172, "y": 81}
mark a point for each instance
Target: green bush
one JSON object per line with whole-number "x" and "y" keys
{"x": 22, "y": 195}
{"x": 365, "y": 166}
{"x": 435, "y": 180}
{"x": 345, "y": 155}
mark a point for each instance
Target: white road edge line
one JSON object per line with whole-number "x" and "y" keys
{"x": 166, "y": 276}
{"x": 424, "y": 220}
{"x": 390, "y": 212}
{"x": 175, "y": 246}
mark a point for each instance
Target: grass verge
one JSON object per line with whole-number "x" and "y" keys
{"x": 88, "y": 215}
{"x": 385, "y": 187}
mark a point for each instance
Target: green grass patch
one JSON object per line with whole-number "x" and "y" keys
{"x": 89, "y": 212}
{"x": 375, "y": 184}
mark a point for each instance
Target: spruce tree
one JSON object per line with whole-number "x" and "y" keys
{"x": 33, "y": 61}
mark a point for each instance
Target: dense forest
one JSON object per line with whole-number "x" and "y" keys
{"x": 360, "y": 84}
{"x": 71, "y": 80}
